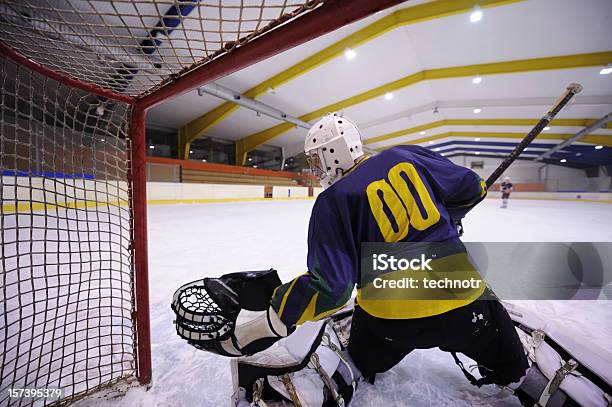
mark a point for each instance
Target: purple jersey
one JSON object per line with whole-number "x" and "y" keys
{"x": 404, "y": 194}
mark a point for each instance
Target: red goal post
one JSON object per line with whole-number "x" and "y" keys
{"x": 77, "y": 80}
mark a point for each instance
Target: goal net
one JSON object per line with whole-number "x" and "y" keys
{"x": 67, "y": 284}
{"x": 77, "y": 78}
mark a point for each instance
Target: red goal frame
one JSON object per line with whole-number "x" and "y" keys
{"x": 324, "y": 19}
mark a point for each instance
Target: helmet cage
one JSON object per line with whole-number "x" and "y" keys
{"x": 330, "y": 160}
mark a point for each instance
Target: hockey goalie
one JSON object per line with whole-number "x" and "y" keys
{"x": 298, "y": 342}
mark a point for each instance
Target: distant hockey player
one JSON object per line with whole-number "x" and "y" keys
{"x": 404, "y": 194}
{"x": 506, "y": 190}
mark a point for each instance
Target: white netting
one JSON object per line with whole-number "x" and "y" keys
{"x": 66, "y": 275}
{"x": 133, "y": 47}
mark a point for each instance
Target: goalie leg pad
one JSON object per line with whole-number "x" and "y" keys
{"x": 308, "y": 368}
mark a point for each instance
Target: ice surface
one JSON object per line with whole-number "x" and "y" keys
{"x": 187, "y": 242}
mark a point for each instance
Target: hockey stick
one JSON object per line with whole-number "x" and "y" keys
{"x": 572, "y": 89}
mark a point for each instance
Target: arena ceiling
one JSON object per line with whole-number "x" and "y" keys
{"x": 424, "y": 73}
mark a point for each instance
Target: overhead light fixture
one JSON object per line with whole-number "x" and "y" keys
{"x": 477, "y": 153}
{"x": 477, "y": 110}
{"x": 422, "y": 133}
{"x": 476, "y": 15}
{"x": 476, "y": 79}
{"x": 598, "y": 147}
{"x": 388, "y": 96}
{"x": 578, "y": 154}
{"x": 250, "y": 158}
{"x": 477, "y": 139}
{"x": 431, "y": 142}
{"x": 442, "y": 154}
{"x": 102, "y": 140}
{"x": 546, "y": 128}
{"x": 437, "y": 149}
{"x": 151, "y": 147}
{"x": 190, "y": 151}
{"x": 606, "y": 70}
{"x": 349, "y": 54}
{"x": 563, "y": 160}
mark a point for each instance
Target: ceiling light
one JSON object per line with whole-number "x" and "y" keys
{"x": 102, "y": 140}
{"x": 422, "y": 133}
{"x": 476, "y": 15}
{"x": 477, "y": 110}
{"x": 598, "y": 147}
{"x": 190, "y": 151}
{"x": 151, "y": 147}
{"x": 606, "y": 70}
{"x": 442, "y": 154}
{"x": 476, "y": 79}
{"x": 578, "y": 154}
{"x": 563, "y": 160}
{"x": 431, "y": 142}
{"x": 437, "y": 149}
{"x": 477, "y": 139}
{"x": 250, "y": 158}
{"x": 546, "y": 128}
{"x": 388, "y": 96}
{"x": 477, "y": 153}
{"x": 349, "y": 54}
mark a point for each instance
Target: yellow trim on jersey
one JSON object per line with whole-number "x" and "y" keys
{"x": 411, "y": 309}
{"x": 281, "y": 308}
{"x": 397, "y": 303}
{"x": 309, "y": 313}
{"x": 365, "y": 157}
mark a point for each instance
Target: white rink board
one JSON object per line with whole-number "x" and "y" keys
{"x": 62, "y": 190}
{"x": 185, "y": 191}
{"x": 289, "y": 192}
{"x": 187, "y": 242}
{"x": 595, "y": 196}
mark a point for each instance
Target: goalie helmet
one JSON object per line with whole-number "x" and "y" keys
{"x": 331, "y": 147}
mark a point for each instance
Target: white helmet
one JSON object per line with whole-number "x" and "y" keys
{"x": 332, "y": 146}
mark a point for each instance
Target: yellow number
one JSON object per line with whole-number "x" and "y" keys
{"x": 401, "y": 203}
{"x": 400, "y": 185}
{"x": 395, "y": 206}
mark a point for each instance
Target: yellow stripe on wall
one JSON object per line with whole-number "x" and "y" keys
{"x": 505, "y": 67}
{"x": 410, "y": 15}
{"x": 25, "y": 207}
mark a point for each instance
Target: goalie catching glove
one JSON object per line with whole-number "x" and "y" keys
{"x": 229, "y": 315}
